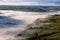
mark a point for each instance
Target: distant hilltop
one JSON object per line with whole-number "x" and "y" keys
{"x": 31, "y": 8}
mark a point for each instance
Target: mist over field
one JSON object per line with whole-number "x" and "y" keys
{"x": 15, "y": 22}
{"x": 30, "y": 19}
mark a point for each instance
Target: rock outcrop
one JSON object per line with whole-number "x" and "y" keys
{"x": 31, "y": 28}
{"x": 36, "y": 23}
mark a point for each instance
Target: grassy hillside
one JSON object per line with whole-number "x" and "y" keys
{"x": 49, "y": 31}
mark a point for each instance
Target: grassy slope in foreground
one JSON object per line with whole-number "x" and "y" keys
{"x": 47, "y": 34}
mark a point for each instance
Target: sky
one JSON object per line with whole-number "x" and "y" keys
{"x": 29, "y": 2}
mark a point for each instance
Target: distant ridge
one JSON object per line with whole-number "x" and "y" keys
{"x": 30, "y": 8}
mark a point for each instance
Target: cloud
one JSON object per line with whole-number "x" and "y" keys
{"x": 40, "y": 1}
{"x": 30, "y": 2}
{"x": 49, "y": 1}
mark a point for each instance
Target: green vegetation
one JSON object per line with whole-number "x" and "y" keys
{"x": 49, "y": 31}
{"x": 55, "y": 21}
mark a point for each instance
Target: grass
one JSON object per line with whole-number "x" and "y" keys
{"x": 47, "y": 33}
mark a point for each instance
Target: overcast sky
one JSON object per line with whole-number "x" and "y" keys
{"x": 29, "y": 2}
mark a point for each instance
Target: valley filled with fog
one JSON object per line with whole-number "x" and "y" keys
{"x": 15, "y": 22}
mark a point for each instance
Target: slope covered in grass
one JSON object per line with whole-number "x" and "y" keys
{"x": 49, "y": 31}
